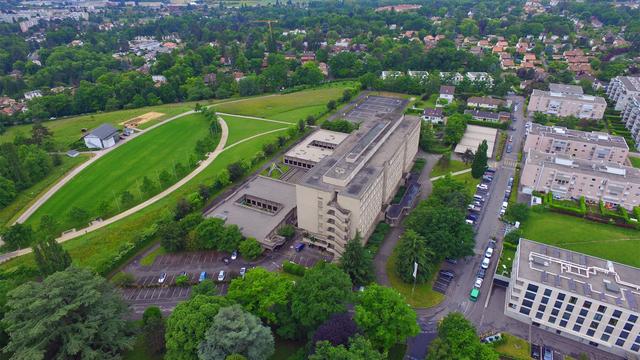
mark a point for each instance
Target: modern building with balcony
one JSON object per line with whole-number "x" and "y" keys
{"x": 581, "y": 297}
{"x": 576, "y": 144}
{"x": 567, "y": 178}
{"x": 622, "y": 89}
{"x": 631, "y": 118}
{"x": 566, "y": 100}
{"x": 346, "y": 192}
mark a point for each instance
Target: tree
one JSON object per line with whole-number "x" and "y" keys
{"x": 331, "y": 105}
{"x": 337, "y": 330}
{"x": 48, "y": 227}
{"x": 153, "y": 329}
{"x": 250, "y": 248}
{"x": 467, "y": 156}
{"x": 17, "y": 236}
{"x": 40, "y": 133}
{"x": 301, "y": 126}
{"x": 183, "y": 207}
{"x": 444, "y": 229}
{"x": 449, "y": 192}
{"x": 78, "y": 216}
{"x": 359, "y": 348}
{"x": 260, "y": 291}
{"x": 126, "y": 199}
{"x": 165, "y": 179}
{"x": 172, "y": 235}
{"x": 455, "y": 128}
{"x": 72, "y": 314}
{"x": 385, "y": 317}
{"x": 457, "y": 339}
{"x": 427, "y": 137}
{"x": 517, "y": 212}
{"x": 7, "y": 191}
{"x": 205, "y": 287}
{"x": 50, "y": 256}
{"x": 411, "y": 250}
{"x": 188, "y": 323}
{"x": 148, "y": 187}
{"x": 208, "y": 234}
{"x": 323, "y": 290}
{"x": 479, "y": 165}
{"x": 235, "y": 331}
{"x": 357, "y": 262}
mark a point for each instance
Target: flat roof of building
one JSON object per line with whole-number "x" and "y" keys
{"x": 566, "y": 89}
{"x": 473, "y": 137}
{"x": 309, "y": 149}
{"x": 562, "y": 133}
{"x": 571, "y": 97}
{"x": 254, "y": 222}
{"x": 631, "y": 83}
{"x": 581, "y": 274}
{"x": 358, "y": 160}
{"x": 611, "y": 170}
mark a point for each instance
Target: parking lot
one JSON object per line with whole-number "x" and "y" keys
{"x": 374, "y": 107}
{"x": 443, "y": 281}
{"x": 166, "y": 295}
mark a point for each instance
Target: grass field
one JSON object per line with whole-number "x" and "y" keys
{"x": 514, "y": 348}
{"x": 423, "y": 296}
{"x": 454, "y": 166}
{"x": 28, "y": 196}
{"x": 124, "y": 168}
{"x": 243, "y": 126}
{"x": 635, "y": 162}
{"x": 68, "y": 130}
{"x": 605, "y": 241}
{"x": 288, "y": 107}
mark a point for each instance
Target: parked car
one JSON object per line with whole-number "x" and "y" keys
{"x": 447, "y": 274}
{"x": 243, "y": 270}
{"x": 162, "y": 278}
{"x": 221, "y": 275}
{"x": 234, "y": 255}
{"x": 488, "y": 253}
{"x": 509, "y": 148}
{"x": 478, "y": 197}
{"x": 451, "y": 261}
{"x": 299, "y": 247}
{"x": 226, "y": 260}
{"x": 491, "y": 170}
{"x": 472, "y": 217}
{"x": 483, "y": 187}
{"x": 470, "y": 222}
{"x": 485, "y": 263}
{"x": 492, "y": 244}
{"x": 203, "y": 276}
{"x": 481, "y": 273}
{"x": 547, "y": 353}
{"x": 474, "y": 294}
{"x": 478, "y": 283}
{"x": 510, "y": 181}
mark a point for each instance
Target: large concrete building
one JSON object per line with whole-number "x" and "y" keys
{"x": 314, "y": 148}
{"x": 569, "y": 178}
{"x": 578, "y": 296}
{"x": 345, "y": 193}
{"x": 631, "y": 118}
{"x": 622, "y": 89}
{"x": 567, "y": 100}
{"x": 576, "y": 144}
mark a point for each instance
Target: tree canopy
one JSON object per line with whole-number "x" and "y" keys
{"x": 260, "y": 291}
{"x": 457, "y": 339}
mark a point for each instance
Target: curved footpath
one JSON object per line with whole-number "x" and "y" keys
{"x": 203, "y": 165}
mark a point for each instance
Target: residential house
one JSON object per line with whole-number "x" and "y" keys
{"x": 488, "y": 116}
{"x": 447, "y": 92}
{"x": 434, "y": 116}
{"x": 484, "y": 102}
{"x": 30, "y": 95}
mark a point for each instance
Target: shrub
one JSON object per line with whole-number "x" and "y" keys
{"x": 513, "y": 237}
{"x": 293, "y": 268}
{"x": 123, "y": 279}
{"x": 287, "y": 231}
{"x": 250, "y": 249}
{"x": 377, "y": 237}
{"x": 182, "y": 280}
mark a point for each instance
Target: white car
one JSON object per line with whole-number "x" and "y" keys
{"x": 488, "y": 253}
{"x": 162, "y": 278}
{"x": 234, "y": 255}
{"x": 485, "y": 263}
{"x": 483, "y": 187}
{"x": 478, "y": 283}
{"x": 243, "y": 270}
{"x": 221, "y": 275}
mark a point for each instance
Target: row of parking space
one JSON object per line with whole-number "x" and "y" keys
{"x": 149, "y": 295}
{"x": 190, "y": 258}
{"x": 479, "y": 198}
{"x": 443, "y": 281}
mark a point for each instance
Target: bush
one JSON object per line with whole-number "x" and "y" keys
{"x": 250, "y": 249}
{"x": 513, "y": 237}
{"x": 377, "y": 237}
{"x": 123, "y": 279}
{"x": 498, "y": 125}
{"x": 182, "y": 280}
{"x": 293, "y": 268}
{"x": 287, "y": 231}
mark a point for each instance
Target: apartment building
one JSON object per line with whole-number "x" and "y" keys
{"x": 566, "y": 100}
{"x": 631, "y": 118}
{"x": 622, "y": 89}
{"x": 569, "y": 178}
{"x": 581, "y": 297}
{"x": 345, "y": 192}
{"x": 576, "y": 144}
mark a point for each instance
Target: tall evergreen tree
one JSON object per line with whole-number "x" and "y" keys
{"x": 479, "y": 164}
{"x": 357, "y": 263}
{"x": 50, "y": 256}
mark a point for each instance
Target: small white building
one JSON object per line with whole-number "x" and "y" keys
{"x": 446, "y": 92}
{"x": 102, "y": 137}
{"x": 434, "y": 116}
{"x": 29, "y": 95}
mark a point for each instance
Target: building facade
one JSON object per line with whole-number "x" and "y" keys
{"x": 576, "y": 144}
{"x": 631, "y": 118}
{"x": 581, "y": 297}
{"x": 564, "y": 104}
{"x": 345, "y": 193}
{"x": 622, "y": 89}
{"x": 566, "y": 178}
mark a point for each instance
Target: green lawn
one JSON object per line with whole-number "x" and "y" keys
{"x": 454, "y": 166}
{"x": 68, "y": 130}
{"x": 288, "y": 107}
{"x": 602, "y": 240}
{"x": 244, "y": 126}
{"x": 635, "y": 162}
{"x": 514, "y": 347}
{"x": 423, "y": 296}
{"x": 124, "y": 168}
{"x": 148, "y": 259}
{"x": 100, "y": 246}
{"x": 28, "y": 196}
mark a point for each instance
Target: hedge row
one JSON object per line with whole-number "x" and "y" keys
{"x": 500, "y": 125}
{"x": 293, "y": 268}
